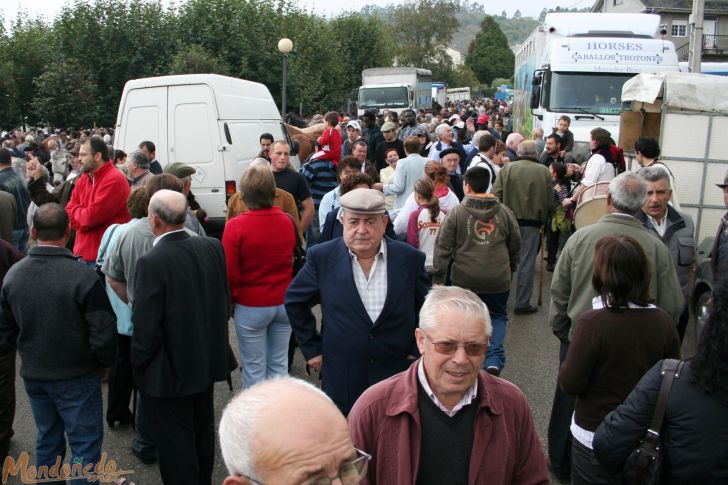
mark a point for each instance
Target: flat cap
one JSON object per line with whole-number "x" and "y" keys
{"x": 448, "y": 151}
{"x": 388, "y": 126}
{"x": 725, "y": 181}
{"x": 179, "y": 169}
{"x": 363, "y": 201}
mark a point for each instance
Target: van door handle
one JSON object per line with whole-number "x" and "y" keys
{"x": 215, "y": 190}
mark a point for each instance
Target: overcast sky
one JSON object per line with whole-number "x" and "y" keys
{"x": 49, "y": 8}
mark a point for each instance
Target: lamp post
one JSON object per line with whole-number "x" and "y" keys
{"x": 285, "y": 46}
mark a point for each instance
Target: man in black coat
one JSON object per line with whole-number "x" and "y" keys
{"x": 180, "y": 345}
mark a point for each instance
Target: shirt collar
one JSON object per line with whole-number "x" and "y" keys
{"x": 159, "y": 238}
{"x": 382, "y": 251}
{"x": 468, "y": 398}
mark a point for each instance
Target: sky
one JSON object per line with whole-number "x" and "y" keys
{"x": 49, "y": 8}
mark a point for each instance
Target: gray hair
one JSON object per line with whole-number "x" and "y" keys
{"x": 528, "y": 148}
{"x": 655, "y": 173}
{"x": 259, "y": 162}
{"x": 440, "y": 128}
{"x": 139, "y": 159}
{"x": 169, "y": 206}
{"x": 453, "y": 299}
{"x": 628, "y": 192}
{"x": 239, "y": 422}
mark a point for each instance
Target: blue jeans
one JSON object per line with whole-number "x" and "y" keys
{"x": 263, "y": 334}
{"x": 497, "y": 304}
{"x": 73, "y": 406}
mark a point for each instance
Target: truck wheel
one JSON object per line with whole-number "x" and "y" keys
{"x": 702, "y": 312}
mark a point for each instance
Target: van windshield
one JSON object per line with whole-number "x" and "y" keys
{"x": 586, "y": 92}
{"x": 384, "y": 97}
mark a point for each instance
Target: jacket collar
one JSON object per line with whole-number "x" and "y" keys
{"x": 51, "y": 251}
{"x": 530, "y": 159}
{"x": 403, "y": 397}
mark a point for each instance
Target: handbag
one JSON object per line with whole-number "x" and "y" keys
{"x": 299, "y": 254}
{"x": 644, "y": 464}
{"x": 102, "y": 256}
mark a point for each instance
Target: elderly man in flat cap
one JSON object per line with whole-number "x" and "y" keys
{"x": 719, "y": 255}
{"x": 184, "y": 172}
{"x": 371, "y": 289}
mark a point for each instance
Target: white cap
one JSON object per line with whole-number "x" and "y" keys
{"x": 354, "y": 124}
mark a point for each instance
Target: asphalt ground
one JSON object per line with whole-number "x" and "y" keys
{"x": 532, "y": 364}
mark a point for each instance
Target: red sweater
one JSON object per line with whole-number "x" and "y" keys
{"x": 330, "y": 142}
{"x": 95, "y": 205}
{"x": 259, "y": 256}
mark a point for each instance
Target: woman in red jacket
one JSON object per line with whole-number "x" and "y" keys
{"x": 259, "y": 248}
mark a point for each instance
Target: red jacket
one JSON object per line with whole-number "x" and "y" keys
{"x": 385, "y": 422}
{"x": 95, "y": 205}
{"x": 330, "y": 142}
{"x": 259, "y": 256}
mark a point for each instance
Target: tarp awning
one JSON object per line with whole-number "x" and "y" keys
{"x": 683, "y": 90}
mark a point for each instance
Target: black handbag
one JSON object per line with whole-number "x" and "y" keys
{"x": 299, "y": 254}
{"x": 644, "y": 464}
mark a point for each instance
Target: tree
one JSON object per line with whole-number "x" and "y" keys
{"x": 517, "y": 14}
{"x": 421, "y": 29}
{"x": 65, "y": 95}
{"x": 489, "y": 55}
{"x": 195, "y": 59}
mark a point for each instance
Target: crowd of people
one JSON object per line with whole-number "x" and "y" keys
{"x": 407, "y": 231}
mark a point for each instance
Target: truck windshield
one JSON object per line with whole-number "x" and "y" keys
{"x": 586, "y": 92}
{"x": 384, "y": 97}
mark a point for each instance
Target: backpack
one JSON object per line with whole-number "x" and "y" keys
{"x": 617, "y": 155}
{"x": 480, "y": 162}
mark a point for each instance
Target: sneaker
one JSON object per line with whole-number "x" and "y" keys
{"x": 493, "y": 370}
{"x": 527, "y": 310}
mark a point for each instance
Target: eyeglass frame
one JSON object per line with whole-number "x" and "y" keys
{"x": 363, "y": 457}
{"x": 458, "y": 345}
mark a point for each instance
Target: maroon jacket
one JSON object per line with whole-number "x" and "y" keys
{"x": 385, "y": 422}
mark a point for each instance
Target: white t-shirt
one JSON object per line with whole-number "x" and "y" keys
{"x": 597, "y": 170}
{"x": 481, "y": 160}
{"x": 427, "y": 233}
{"x": 447, "y": 203}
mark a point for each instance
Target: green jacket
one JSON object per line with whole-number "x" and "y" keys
{"x": 524, "y": 186}
{"x": 571, "y": 288}
{"x": 482, "y": 238}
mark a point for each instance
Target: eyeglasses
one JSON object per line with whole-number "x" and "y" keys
{"x": 350, "y": 473}
{"x": 446, "y": 347}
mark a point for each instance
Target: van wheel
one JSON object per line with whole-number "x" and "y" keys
{"x": 702, "y": 312}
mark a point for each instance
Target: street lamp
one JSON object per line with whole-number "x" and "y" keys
{"x": 285, "y": 46}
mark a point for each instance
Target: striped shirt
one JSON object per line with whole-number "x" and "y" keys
{"x": 321, "y": 178}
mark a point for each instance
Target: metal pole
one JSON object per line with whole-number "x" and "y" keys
{"x": 696, "y": 40}
{"x": 283, "y": 88}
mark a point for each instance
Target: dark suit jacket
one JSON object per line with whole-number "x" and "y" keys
{"x": 180, "y": 343}
{"x": 356, "y": 351}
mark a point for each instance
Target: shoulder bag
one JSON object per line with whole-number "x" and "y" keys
{"x": 644, "y": 464}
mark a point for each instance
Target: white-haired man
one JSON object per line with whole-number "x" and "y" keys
{"x": 468, "y": 426}
{"x": 285, "y": 430}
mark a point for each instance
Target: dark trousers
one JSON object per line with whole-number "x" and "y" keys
{"x": 682, "y": 322}
{"x": 7, "y": 399}
{"x": 183, "y": 429}
{"x": 121, "y": 383}
{"x": 586, "y": 470}
{"x": 552, "y": 242}
{"x": 559, "y": 432}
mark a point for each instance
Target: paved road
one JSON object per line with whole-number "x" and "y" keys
{"x": 532, "y": 360}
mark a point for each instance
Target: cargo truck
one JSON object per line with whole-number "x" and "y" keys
{"x": 395, "y": 89}
{"x": 575, "y": 64}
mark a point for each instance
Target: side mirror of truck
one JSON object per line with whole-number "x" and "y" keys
{"x": 535, "y": 97}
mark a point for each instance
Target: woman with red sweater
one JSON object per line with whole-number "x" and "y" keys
{"x": 259, "y": 248}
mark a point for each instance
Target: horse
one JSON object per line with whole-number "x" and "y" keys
{"x": 306, "y": 138}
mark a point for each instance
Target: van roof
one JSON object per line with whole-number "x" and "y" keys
{"x": 233, "y": 96}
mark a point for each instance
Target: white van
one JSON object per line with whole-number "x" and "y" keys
{"x": 210, "y": 122}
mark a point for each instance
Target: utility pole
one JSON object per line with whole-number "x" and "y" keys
{"x": 696, "y": 36}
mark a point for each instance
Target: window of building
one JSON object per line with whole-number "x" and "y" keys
{"x": 679, "y": 28}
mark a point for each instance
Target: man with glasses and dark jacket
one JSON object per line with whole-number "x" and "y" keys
{"x": 469, "y": 426}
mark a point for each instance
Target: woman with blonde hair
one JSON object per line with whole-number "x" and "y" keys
{"x": 424, "y": 223}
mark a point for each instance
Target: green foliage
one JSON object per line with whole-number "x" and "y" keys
{"x": 65, "y": 95}
{"x": 195, "y": 59}
{"x": 489, "y": 55}
{"x": 422, "y": 29}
